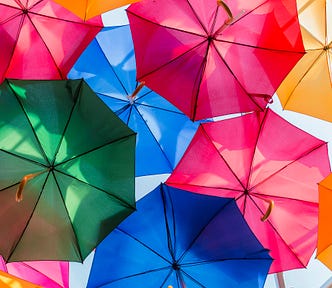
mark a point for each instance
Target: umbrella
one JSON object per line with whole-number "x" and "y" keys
{"x": 180, "y": 239}
{"x": 163, "y": 132}
{"x": 211, "y": 60}
{"x": 272, "y": 169}
{"x": 40, "y": 39}
{"x": 308, "y": 89}
{"x": 324, "y": 243}
{"x": 91, "y": 8}
{"x": 10, "y": 281}
{"x": 72, "y": 159}
{"x": 50, "y": 274}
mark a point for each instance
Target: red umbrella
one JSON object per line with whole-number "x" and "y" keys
{"x": 263, "y": 161}
{"x": 211, "y": 60}
{"x": 40, "y": 39}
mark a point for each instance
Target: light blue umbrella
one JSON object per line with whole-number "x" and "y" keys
{"x": 163, "y": 132}
{"x": 180, "y": 239}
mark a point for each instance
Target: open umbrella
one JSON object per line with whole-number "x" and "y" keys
{"x": 308, "y": 87}
{"x": 210, "y": 58}
{"x": 50, "y": 274}
{"x": 324, "y": 243}
{"x": 268, "y": 166}
{"x": 163, "y": 132}
{"x": 40, "y": 39}
{"x": 10, "y": 281}
{"x": 72, "y": 159}
{"x": 90, "y": 8}
{"x": 181, "y": 239}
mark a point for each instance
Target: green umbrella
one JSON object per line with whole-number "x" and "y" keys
{"x": 71, "y": 159}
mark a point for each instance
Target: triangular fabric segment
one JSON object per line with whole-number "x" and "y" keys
{"x": 49, "y": 234}
{"x": 16, "y": 134}
{"x": 210, "y": 169}
{"x": 237, "y": 146}
{"x": 16, "y": 216}
{"x": 172, "y": 130}
{"x": 86, "y": 132}
{"x": 231, "y": 273}
{"x": 93, "y": 213}
{"x": 47, "y": 112}
{"x": 152, "y": 228}
{"x": 150, "y": 156}
{"x": 110, "y": 168}
{"x": 188, "y": 221}
{"x": 137, "y": 259}
{"x": 123, "y": 61}
{"x": 275, "y": 151}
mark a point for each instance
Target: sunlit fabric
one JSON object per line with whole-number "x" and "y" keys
{"x": 180, "y": 239}
{"x": 83, "y": 167}
{"x": 324, "y": 244}
{"x": 163, "y": 132}
{"x": 209, "y": 64}
{"x": 41, "y": 39}
{"x": 259, "y": 158}
{"x": 308, "y": 87}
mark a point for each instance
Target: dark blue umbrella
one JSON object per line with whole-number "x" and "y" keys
{"x": 180, "y": 239}
{"x": 163, "y": 132}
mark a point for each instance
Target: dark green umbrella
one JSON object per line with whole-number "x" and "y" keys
{"x": 71, "y": 159}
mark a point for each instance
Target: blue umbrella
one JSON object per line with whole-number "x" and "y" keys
{"x": 163, "y": 132}
{"x": 180, "y": 239}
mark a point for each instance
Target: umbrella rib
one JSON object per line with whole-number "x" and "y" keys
{"x": 165, "y": 26}
{"x": 199, "y": 20}
{"x": 143, "y": 244}
{"x": 19, "y": 13}
{"x": 10, "y": 186}
{"x": 156, "y": 141}
{"x": 302, "y": 78}
{"x": 124, "y": 203}
{"x": 277, "y": 233}
{"x": 235, "y": 78}
{"x": 132, "y": 275}
{"x": 294, "y": 161}
{"x": 203, "y": 186}
{"x": 171, "y": 249}
{"x": 30, "y": 217}
{"x": 78, "y": 248}
{"x": 192, "y": 279}
{"x": 23, "y": 158}
{"x": 255, "y": 146}
{"x": 222, "y": 157}
{"x": 203, "y": 262}
{"x": 160, "y": 108}
{"x": 47, "y": 48}
{"x": 30, "y": 124}
{"x": 203, "y": 228}
{"x": 76, "y": 97}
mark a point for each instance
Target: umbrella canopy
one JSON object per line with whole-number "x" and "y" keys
{"x": 163, "y": 132}
{"x": 50, "y": 274}
{"x": 324, "y": 244}
{"x": 40, "y": 39}
{"x": 308, "y": 87}
{"x": 211, "y": 59}
{"x": 180, "y": 239}
{"x": 10, "y": 281}
{"x": 72, "y": 159}
{"x": 90, "y": 8}
{"x": 263, "y": 161}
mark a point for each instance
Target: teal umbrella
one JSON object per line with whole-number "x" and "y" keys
{"x": 70, "y": 160}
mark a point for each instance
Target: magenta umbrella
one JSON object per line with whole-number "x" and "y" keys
{"x": 50, "y": 274}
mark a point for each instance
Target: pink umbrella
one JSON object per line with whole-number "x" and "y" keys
{"x": 50, "y": 274}
{"x": 272, "y": 169}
